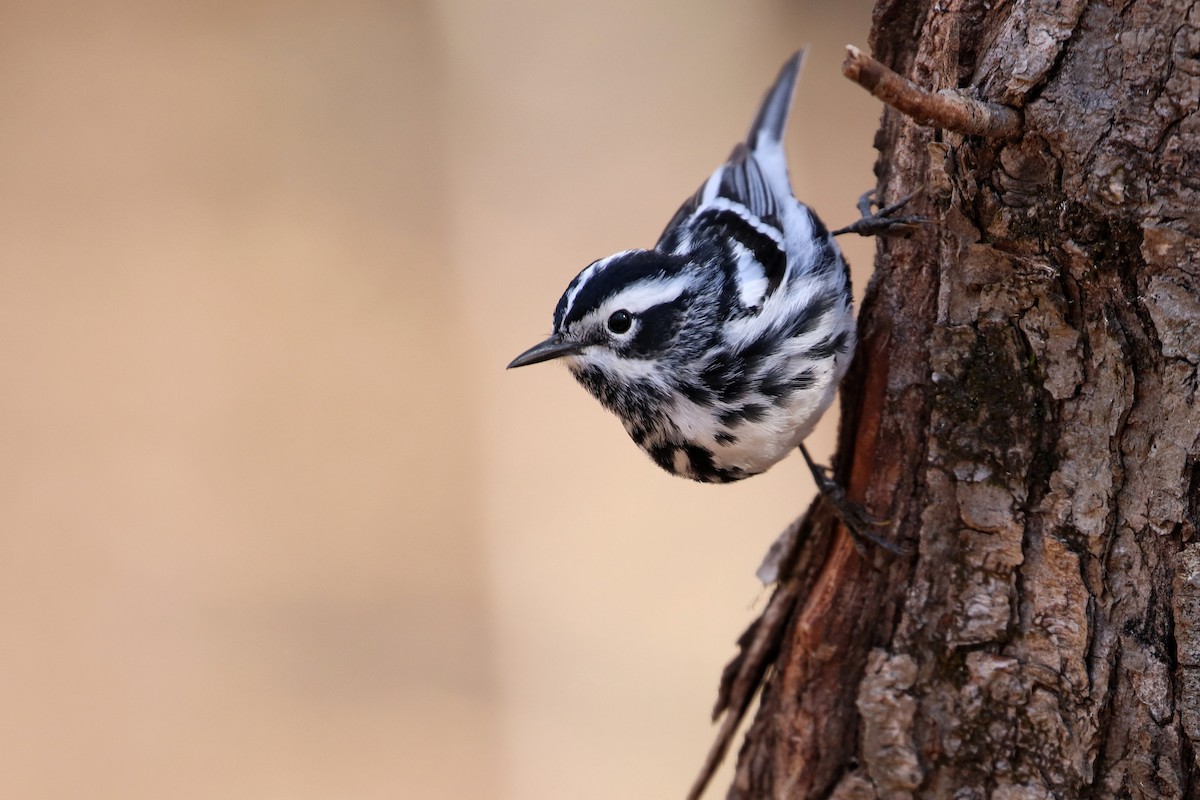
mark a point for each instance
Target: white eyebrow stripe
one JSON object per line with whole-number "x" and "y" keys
{"x": 648, "y": 293}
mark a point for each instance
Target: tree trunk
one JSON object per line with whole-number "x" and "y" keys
{"x": 1023, "y": 408}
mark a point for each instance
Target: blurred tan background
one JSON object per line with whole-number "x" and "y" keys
{"x": 276, "y": 523}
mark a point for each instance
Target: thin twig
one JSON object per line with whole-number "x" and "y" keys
{"x": 946, "y": 109}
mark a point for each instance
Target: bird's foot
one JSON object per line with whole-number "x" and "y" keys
{"x": 858, "y": 521}
{"x": 883, "y": 221}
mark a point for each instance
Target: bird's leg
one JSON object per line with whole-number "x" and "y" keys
{"x": 857, "y": 519}
{"x": 882, "y": 221}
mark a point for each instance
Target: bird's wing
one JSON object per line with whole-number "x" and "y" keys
{"x": 735, "y": 206}
{"x": 738, "y": 182}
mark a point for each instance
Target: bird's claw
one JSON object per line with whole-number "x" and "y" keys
{"x": 858, "y": 520}
{"x": 882, "y": 221}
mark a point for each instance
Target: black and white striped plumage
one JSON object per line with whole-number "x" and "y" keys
{"x": 721, "y": 347}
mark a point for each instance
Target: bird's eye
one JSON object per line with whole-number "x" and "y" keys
{"x": 620, "y": 321}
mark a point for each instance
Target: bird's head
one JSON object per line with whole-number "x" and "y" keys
{"x": 630, "y": 318}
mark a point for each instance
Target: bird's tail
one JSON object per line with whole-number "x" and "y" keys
{"x": 768, "y": 125}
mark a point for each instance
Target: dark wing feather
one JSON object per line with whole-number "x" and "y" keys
{"x": 746, "y": 218}
{"x": 729, "y": 226}
{"x": 742, "y": 181}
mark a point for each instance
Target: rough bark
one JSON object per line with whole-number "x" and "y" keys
{"x": 1024, "y": 409}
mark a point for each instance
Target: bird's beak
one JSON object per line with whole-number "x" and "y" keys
{"x": 554, "y": 347}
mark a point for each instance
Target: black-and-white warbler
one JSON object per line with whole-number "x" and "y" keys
{"x": 721, "y": 347}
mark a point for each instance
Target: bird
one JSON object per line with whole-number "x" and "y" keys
{"x": 720, "y": 347}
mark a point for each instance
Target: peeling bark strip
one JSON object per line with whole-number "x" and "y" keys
{"x": 1025, "y": 409}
